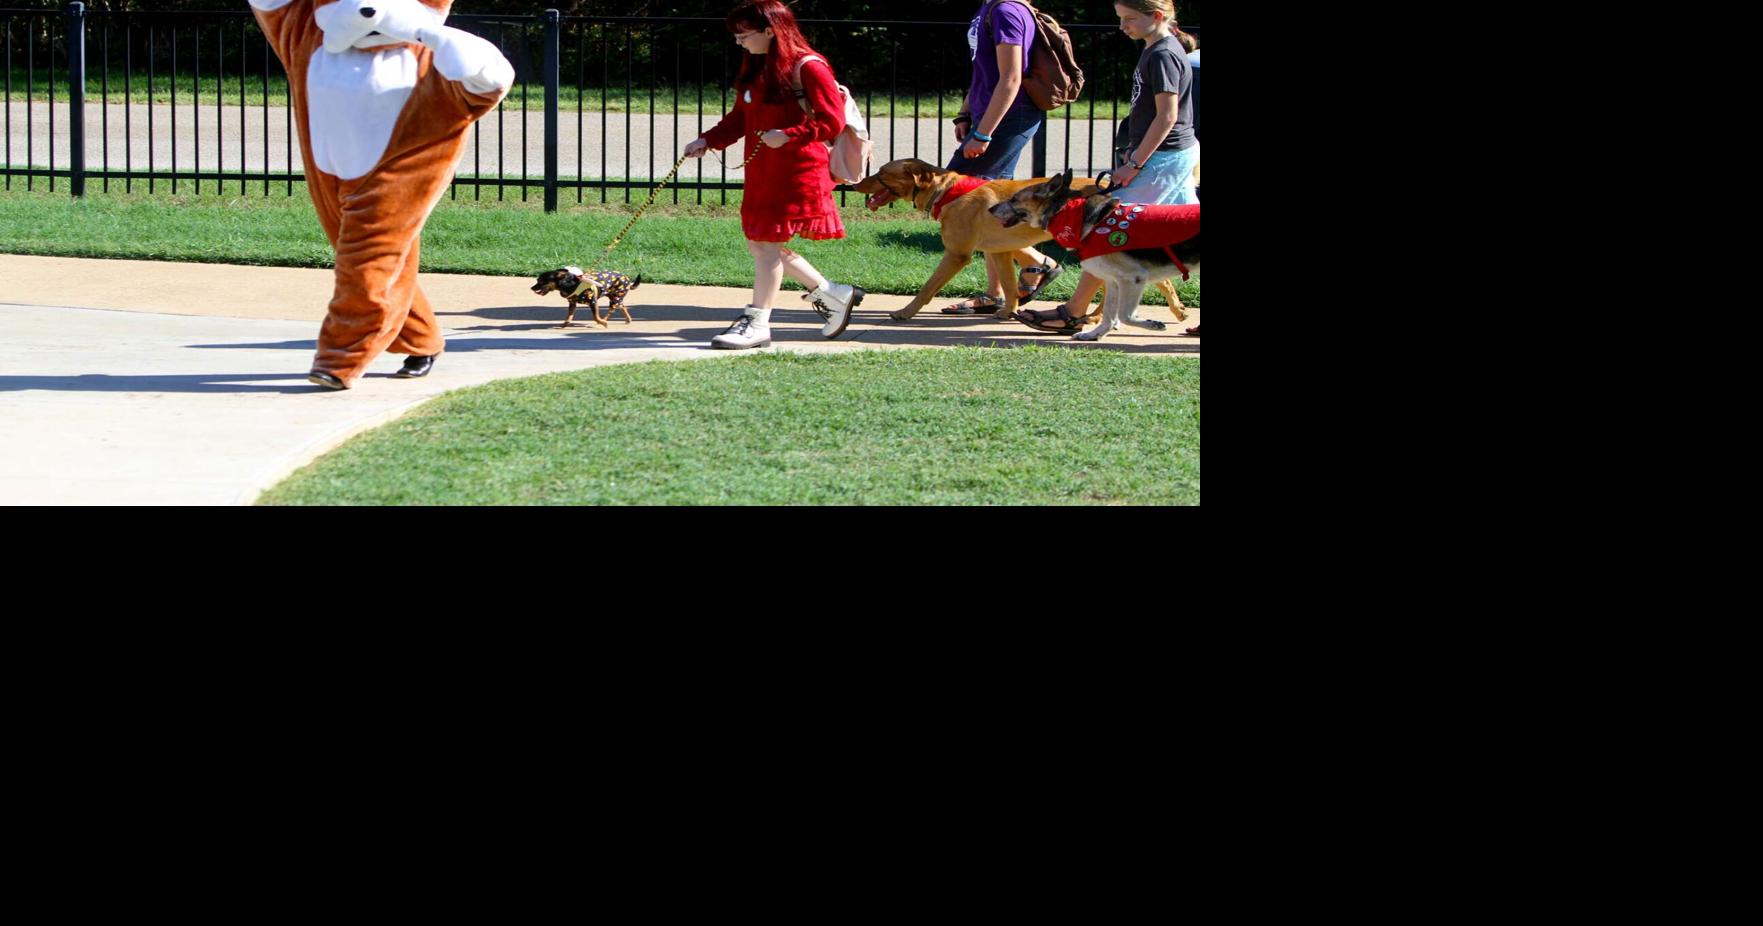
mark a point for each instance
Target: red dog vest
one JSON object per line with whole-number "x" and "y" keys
{"x": 1130, "y": 225}
{"x": 961, "y": 188}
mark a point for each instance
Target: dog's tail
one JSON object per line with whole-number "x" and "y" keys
{"x": 639, "y": 281}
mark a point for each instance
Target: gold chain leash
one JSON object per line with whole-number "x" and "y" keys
{"x": 757, "y": 147}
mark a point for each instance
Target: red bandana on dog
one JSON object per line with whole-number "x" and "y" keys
{"x": 1129, "y": 226}
{"x": 961, "y": 188}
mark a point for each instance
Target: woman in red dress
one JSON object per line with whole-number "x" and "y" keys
{"x": 788, "y": 187}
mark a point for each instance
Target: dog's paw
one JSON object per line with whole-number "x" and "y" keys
{"x": 902, "y": 315}
{"x": 1149, "y": 324}
{"x": 1094, "y": 334}
{"x": 1004, "y": 314}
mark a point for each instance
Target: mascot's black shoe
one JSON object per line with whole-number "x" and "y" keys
{"x": 415, "y": 366}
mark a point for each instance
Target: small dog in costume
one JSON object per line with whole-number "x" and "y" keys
{"x": 579, "y": 287}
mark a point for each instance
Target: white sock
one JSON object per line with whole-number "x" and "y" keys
{"x": 760, "y": 316}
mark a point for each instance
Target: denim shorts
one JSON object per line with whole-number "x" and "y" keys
{"x": 1167, "y": 180}
{"x": 1008, "y": 139}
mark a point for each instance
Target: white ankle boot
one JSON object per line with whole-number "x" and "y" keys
{"x": 750, "y": 330}
{"x": 834, "y": 302}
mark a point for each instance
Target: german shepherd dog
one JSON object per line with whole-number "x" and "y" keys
{"x": 1128, "y": 246}
{"x": 965, "y": 223}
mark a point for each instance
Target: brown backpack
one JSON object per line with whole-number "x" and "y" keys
{"x": 1053, "y": 77}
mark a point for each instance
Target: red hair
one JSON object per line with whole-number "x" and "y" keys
{"x": 769, "y": 72}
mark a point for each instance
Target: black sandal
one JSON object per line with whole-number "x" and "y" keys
{"x": 1032, "y": 319}
{"x": 978, "y": 305}
{"x": 1049, "y": 271}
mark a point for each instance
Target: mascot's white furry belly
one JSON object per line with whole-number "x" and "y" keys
{"x": 353, "y": 101}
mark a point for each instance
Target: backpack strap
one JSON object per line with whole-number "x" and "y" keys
{"x": 988, "y": 22}
{"x": 796, "y": 80}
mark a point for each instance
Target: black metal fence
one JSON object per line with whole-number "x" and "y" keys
{"x": 179, "y": 94}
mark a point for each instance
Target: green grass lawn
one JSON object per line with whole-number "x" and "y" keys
{"x": 966, "y": 426}
{"x": 892, "y": 251}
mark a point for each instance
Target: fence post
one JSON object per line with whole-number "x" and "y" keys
{"x": 553, "y": 67}
{"x": 1040, "y": 147}
{"x": 76, "y": 89}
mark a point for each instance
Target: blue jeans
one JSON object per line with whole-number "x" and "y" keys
{"x": 1008, "y": 139}
{"x": 1167, "y": 180}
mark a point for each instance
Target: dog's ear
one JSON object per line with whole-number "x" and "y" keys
{"x": 922, "y": 174}
{"x": 1060, "y": 184}
{"x": 1097, "y": 206}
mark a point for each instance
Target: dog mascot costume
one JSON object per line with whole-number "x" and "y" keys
{"x": 383, "y": 94}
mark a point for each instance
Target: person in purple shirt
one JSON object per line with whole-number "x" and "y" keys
{"x": 997, "y": 121}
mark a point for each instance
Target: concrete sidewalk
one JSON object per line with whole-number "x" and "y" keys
{"x": 143, "y": 383}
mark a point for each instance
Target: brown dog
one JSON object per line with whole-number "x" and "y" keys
{"x": 968, "y": 225}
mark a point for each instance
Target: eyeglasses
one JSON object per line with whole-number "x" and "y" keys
{"x": 744, "y": 36}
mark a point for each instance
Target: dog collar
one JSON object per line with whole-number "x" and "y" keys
{"x": 961, "y": 188}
